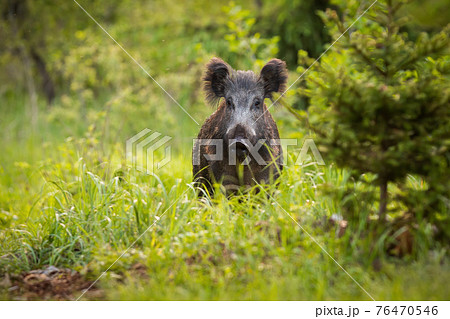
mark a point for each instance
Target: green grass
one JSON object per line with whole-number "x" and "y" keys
{"x": 68, "y": 202}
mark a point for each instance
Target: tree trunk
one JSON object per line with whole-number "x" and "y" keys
{"x": 383, "y": 199}
{"x": 16, "y": 11}
{"x": 47, "y": 83}
{"x": 31, "y": 88}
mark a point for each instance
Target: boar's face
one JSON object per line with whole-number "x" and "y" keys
{"x": 244, "y": 93}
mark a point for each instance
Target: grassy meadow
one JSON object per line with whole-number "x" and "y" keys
{"x": 69, "y": 199}
{"x": 66, "y": 202}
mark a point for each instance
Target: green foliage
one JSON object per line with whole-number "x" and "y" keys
{"x": 298, "y": 25}
{"x": 246, "y": 45}
{"x": 68, "y": 198}
{"x": 380, "y": 104}
{"x": 89, "y": 210}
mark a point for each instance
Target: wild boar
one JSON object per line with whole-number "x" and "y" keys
{"x": 239, "y": 143}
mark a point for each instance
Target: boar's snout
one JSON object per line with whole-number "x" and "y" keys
{"x": 239, "y": 141}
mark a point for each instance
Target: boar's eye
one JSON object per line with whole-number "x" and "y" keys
{"x": 230, "y": 103}
{"x": 257, "y": 104}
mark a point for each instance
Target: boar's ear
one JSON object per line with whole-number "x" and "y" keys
{"x": 273, "y": 76}
{"x": 215, "y": 80}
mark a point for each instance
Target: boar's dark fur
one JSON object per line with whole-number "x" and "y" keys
{"x": 242, "y": 124}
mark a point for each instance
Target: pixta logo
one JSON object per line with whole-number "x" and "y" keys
{"x": 308, "y": 150}
{"x": 142, "y": 147}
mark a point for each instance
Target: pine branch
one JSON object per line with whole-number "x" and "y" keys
{"x": 437, "y": 44}
{"x": 369, "y": 61}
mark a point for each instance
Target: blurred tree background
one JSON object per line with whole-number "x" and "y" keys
{"x": 377, "y": 103}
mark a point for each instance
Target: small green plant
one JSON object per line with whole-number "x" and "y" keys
{"x": 380, "y": 105}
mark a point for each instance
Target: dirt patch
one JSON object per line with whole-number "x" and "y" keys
{"x": 50, "y": 283}
{"x": 139, "y": 270}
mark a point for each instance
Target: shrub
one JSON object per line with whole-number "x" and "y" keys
{"x": 380, "y": 105}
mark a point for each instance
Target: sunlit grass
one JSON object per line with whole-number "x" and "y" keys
{"x": 67, "y": 202}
